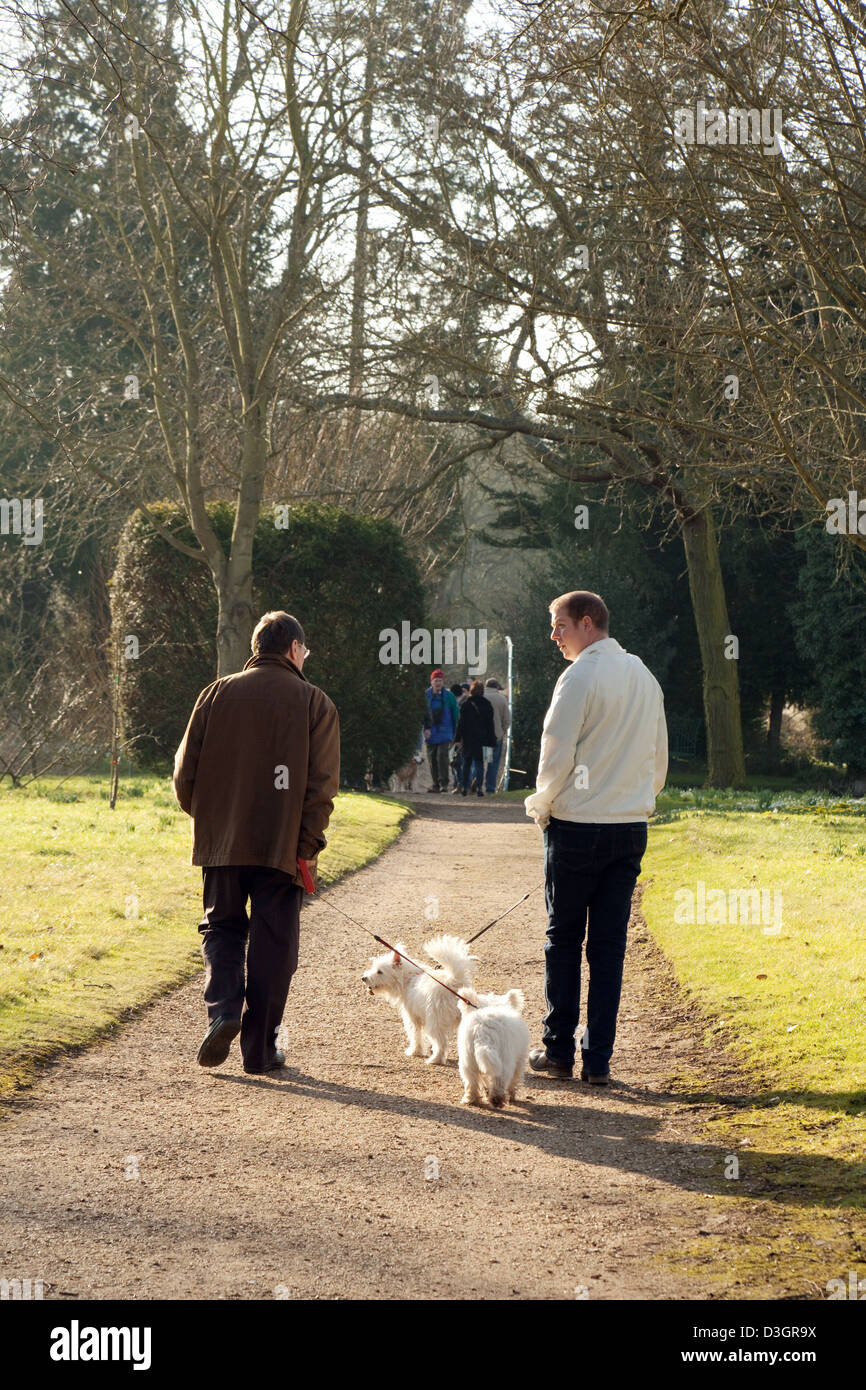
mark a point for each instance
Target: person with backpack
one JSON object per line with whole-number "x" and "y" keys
{"x": 475, "y": 732}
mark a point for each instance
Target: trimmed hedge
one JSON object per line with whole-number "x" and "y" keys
{"x": 345, "y": 577}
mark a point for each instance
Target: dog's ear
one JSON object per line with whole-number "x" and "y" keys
{"x": 396, "y": 958}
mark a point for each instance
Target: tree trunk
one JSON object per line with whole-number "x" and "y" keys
{"x": 234, "y": 577}
{"x": 721, "y": 688}
{"x": 116, "y": 716}
{"x": 774, "y": 731}
{"x": 362, "y": 250}
{"x": 235, "y": 623}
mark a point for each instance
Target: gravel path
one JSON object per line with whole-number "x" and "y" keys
{"x": 129, "y": 1172}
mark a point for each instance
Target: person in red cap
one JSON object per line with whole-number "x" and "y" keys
{"x": 440, "y": 723}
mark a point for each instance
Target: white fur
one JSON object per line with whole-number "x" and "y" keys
{"x": 429, "y": 1012}
{"x": 493, "y": 1047}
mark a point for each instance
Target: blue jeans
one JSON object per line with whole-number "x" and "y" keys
{"x": 590, "y": 872}
{"x": 493, "y": 768}
{"x": 473, "y": 767}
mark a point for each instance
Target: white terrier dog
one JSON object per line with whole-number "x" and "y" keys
{"x": 428, "y": 1010}
{"x": 493, "y": 1046}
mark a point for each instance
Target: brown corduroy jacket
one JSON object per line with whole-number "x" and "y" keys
{"x": 259, "y": 767}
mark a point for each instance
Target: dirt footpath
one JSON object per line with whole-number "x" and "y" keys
{"x": 130, "y": 1172}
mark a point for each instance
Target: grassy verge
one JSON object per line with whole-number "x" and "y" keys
{"x": 781, "y": 993}
{"x": 782, "y": 997}
{"x": 99, "y": 908}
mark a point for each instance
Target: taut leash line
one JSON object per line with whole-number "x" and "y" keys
{"x": 308, "y": 884}
{"x": 504, "y": 914}
{"x": 389, "y": 947}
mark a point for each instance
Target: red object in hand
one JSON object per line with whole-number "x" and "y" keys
{"x": 306, "y": 876}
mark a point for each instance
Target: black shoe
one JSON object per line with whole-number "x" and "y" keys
{"x": 601, "y": 1079}
{"x": 434, "y": 788}
{"x": 217, "y": 1041}
{"x": 278, "y": 1062}
{"x": 539, "y": 1061}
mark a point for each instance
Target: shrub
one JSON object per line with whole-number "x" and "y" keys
{"x": 345, "y": 577}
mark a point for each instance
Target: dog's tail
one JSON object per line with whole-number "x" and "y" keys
{"x": 515, "y": 1000}
{"x": 453, "y": 955}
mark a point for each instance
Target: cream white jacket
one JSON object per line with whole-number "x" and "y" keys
{"x": 604, "y": 746}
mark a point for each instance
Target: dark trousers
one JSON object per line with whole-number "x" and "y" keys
{"x": 590, "y": 872}
{"x": 271, "y": 958}
{"x": 438, "y": 756}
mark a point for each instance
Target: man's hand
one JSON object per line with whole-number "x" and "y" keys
{"x": 305, "y": 867}
{"x": 426, "y": 735}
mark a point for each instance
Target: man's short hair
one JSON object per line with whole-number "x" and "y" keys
{"x": 492, "y": 683}
{"x": 275, "y": 632}
{"x": 580, "y": 603}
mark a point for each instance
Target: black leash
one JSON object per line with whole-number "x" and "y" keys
{"x": 504, "y": 914}
{"x": 389, "y": 947}
{"x": 409, "y": 961}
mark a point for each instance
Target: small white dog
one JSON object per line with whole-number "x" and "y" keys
{"x": 493, "y": 1046}
{"x": 428, "y": 1010}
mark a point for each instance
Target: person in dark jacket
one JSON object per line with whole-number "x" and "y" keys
{"x": 258, "y": 770}
{"x": 475, "y": 732}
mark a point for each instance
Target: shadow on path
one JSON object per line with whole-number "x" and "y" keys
{"x": 590, "y": 1134}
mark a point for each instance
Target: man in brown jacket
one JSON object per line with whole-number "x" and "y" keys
{"x": 258, "y": 770}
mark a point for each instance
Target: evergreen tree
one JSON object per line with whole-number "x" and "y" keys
{"x": 829, "y": 620}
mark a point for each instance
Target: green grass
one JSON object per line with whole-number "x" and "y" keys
{"x": 790, "y": 1001}
{"x": 784, "y": 1031}
{"x": 99, "y": 908}
{"x": 784, "y": 1014}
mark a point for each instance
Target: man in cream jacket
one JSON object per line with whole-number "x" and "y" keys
{"x": 604, "y": 758}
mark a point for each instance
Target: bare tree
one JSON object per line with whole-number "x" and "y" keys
{"x": 761, "y": 106}
{"x": 546, "y": 303}
{"x": 53, "y": 713}
{"x": 201, "y": 244}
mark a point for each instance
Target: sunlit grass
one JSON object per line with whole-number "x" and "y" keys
{"x": 99, "y": 908}
{"x": 787, "y": 1007}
